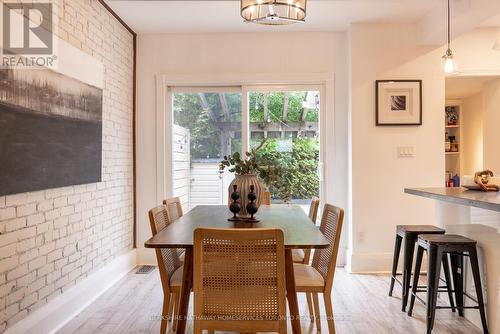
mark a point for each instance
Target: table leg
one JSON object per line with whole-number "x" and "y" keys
{"x": 187, "y": 284}
{"x": 291, "y": 294}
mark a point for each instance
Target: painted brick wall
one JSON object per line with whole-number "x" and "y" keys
{"x": 52, "y": 239}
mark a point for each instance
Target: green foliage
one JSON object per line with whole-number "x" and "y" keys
{"x": 289, "y": 175}
{"x": 299, "y": 168}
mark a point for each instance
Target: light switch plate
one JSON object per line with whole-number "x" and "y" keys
{"x": 406, "y": 152}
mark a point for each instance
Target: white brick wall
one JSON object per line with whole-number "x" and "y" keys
{"x": 51, "y": 239}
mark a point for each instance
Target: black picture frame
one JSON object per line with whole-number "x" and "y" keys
{"x": 378, "y": 121}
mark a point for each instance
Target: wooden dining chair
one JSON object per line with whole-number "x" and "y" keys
{"x": 267, "y": 197}
{"x": 239, "y": 280}
{"x": 318, "y": 277}
{"x": 304, "y": 255}
{"x": 170, "y": 267}
{"x": 174, "y": 207}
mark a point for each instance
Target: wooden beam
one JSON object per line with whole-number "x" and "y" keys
{"x": 223, "y": 103}
{"x": 304, "y": 110}
{"x": 204, "y": 105}
{"x": 271, "y": 127}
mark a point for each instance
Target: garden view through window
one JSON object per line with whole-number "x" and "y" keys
{"x": 208, "y": 126}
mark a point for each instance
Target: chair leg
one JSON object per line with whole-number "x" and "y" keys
{"x": 409, "y": 248}
{"x": 416, "y": 275}
{"x": 477, "y": 284}
{"x": 395, "y": 260}
{"x": 310, "y": 306}
{"x": 317, "y": 314}
{"x": 171, "y": 308}
{"x": 458, "y": 281}
{"x": 164, "y": 313}
{"x": 433, "y": 272}
{"x": 329, "y": 312}
{"x": 446, "y": 268}
{"x": 176, "y": 310}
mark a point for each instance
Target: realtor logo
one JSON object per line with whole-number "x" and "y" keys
{"x": 27, "y": 34}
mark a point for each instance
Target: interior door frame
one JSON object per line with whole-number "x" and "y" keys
{"x": 167, "y": 83}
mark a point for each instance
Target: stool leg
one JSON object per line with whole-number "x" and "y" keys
{"x": 416, "y": 274}
{"x": 407, "y": 263}
{"x": 446, "y": 268}
{"x": 433, "y": 271}
{"x": 477, "y": 283}
{"x": 458, "y": 281}
{"x": 395, "y": 260}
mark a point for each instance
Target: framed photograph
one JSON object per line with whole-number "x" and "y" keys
{"x": 398, "y": 102}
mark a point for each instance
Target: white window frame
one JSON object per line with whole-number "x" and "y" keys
{"x": 167, "y": 84}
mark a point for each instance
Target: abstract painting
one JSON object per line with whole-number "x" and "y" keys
{"x": 50, "y": 130}
{"x": 398, "y": 102}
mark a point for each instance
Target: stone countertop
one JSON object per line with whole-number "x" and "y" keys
{"x": 479, "y": 199}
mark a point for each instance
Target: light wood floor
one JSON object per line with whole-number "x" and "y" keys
{"x": 360, "y": 303}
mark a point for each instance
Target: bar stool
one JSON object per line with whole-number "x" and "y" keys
{"x": 410, "y": 234}
{"x": 438, "y": 246}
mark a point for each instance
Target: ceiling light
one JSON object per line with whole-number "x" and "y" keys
{"x": 273, "y": 12}
{"x": 449, "y": 63}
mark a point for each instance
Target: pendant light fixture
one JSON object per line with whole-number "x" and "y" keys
{"x": 273, "y": 12}
{"x": 449, "y": 63}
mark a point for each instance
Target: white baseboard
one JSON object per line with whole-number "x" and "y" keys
{"x": 54, "y": 315}
{"x": 146, "y": 256}
{"x": 369, "y": 263}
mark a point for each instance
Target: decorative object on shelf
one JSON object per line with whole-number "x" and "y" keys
{"x": 456, "y": 181}
{"x": 482, "y": 179}
{"x": 451, "y": 116}
{"x": 251, "y": 171}
{"x": 252, "y": 208}
{"x": 449, "y": 63}
{"x": 447, "y": 143}
{"x": 234, "y": 207}
{"x": 398, "y": 102}
{"x": 273, "y": 12}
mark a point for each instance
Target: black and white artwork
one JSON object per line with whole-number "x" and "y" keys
{"x": 398, "y": 102}
{"x": 50, "y": 130}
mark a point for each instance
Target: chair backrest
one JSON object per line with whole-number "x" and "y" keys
{"x": 313, "y": 209}
{"x": 174, "y": 207}
{"x": 324, "y": 260}
{"x": 267, "y": 197}
{"x": 168, "y": 258}
{"x": 239, "y": 274}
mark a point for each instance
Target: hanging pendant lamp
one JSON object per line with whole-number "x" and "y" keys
{"x": 273, "y": 12}
{"x": 449, "y": 63}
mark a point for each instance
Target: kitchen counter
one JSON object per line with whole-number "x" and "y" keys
{"x": 476, "y": 215}
{"x": 479, "y": 199}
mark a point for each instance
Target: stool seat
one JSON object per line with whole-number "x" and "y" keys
{"x": 418, "y": 229}
{"x": 445, "y": 239}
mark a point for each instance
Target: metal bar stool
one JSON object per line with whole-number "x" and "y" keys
{"x": 438, "y": 246}
{"x": 408, "y": 233}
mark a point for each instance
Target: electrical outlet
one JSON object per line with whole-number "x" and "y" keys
{"x": 406, "y": 152}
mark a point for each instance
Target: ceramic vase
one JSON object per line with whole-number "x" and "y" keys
{"x": 243, "y": 182}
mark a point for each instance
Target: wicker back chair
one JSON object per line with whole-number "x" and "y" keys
{"x": 174, "y": 207}
{"x": 267, "y": 197}
{"x": 318, "y": 277}
{"x": 239, "y": 280}
{"x": 169, "y": 264}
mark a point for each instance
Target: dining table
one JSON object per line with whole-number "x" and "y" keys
{"x": 299, "y": 233}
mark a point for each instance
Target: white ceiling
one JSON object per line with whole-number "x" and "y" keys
{"x": 462, "y": 87}
{"x": 224, "y": 16}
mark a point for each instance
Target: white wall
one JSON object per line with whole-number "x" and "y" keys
{"x": 52, "y": 239}
{"x": 472, "y": 134}
{"x": 233, "y": 54}
{"x": 491, "y": 114}
{"x": 391, "y": 51}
